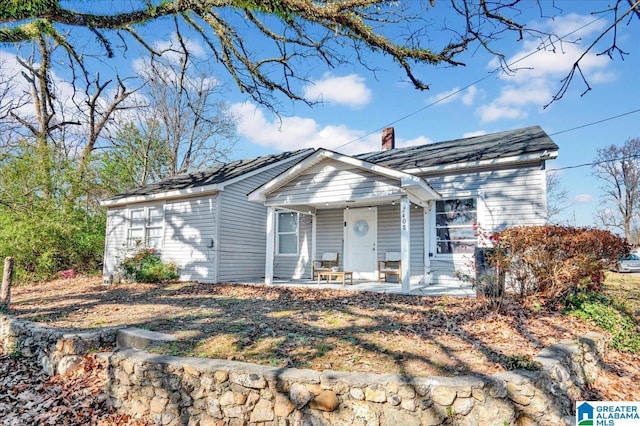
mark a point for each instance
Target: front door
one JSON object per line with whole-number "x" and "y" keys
{"x": 361, "y": 237}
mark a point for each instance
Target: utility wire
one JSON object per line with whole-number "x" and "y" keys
{"x": 595, "y": 163}
{"x": 595, "y": 122}
{"x": 480, "y": 80}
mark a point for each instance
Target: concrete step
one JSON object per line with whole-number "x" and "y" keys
{"x": 139, "y": 338}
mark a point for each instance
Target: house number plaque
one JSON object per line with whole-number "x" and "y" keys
{"x": 403, "y": 217}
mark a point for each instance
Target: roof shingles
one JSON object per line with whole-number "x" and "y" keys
{"x": 491, "y": 146}
{"x": 209, "y": 176}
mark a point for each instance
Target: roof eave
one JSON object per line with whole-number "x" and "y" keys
{"x": 503, "y": 161}
{"x": 421, "y": 189}
{"x": 160, "y": 196}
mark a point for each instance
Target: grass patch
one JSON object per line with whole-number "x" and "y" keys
{"x": 608, "y": 315}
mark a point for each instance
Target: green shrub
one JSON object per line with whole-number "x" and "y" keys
{"x": 553, "y": 262}
{"x": 601, "y": 310}
{"x": 145, "y": 266}
{"x": 47, "y": 241}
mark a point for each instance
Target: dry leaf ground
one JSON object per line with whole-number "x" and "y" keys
{"x": 327, "y": 329}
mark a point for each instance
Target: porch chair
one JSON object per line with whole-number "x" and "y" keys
{"x": 391, "y": 265}
{"x": 329, "y": 260}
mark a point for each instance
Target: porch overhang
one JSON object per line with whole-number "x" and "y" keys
{"x": 413, "y": 187}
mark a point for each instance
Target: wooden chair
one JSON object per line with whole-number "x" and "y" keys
{"x": 329, "y": 260}
{"x": 391, "y": 265}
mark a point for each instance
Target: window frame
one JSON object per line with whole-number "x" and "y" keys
{"x": 470, "y": 227}
{"x": 296, "y": 233}
{"x": 145, "y": 225}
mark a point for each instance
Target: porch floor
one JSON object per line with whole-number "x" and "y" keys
{"x": 379, "y": 287}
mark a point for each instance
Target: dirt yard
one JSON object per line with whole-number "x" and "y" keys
{"x": 323, "y": 329}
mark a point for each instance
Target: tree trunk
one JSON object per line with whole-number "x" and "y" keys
{"x": 5, "y": 291}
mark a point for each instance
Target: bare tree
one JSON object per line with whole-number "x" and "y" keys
{"x": 557, "y": 196}
{"x": 619, "y": 170}
{"x": 62, "y": 127}
{"x": 287, "y": 34}
{"x": 186, "y": 108}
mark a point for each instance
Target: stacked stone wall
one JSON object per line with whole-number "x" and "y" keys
{"x": 57, "y": 351}
{"x": 191, "y": 391}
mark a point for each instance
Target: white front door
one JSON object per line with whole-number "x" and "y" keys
{"x": 361, "y": 238}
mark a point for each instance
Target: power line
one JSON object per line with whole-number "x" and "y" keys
{"x": 480, "y": 80}
{"x": 595, "y": 163}
{"x": 595, "y": 122}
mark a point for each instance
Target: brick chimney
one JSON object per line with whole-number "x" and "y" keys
{"x": 388, "y": 138}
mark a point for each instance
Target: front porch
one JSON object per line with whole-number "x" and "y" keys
{"x": 435, "y": 290}
{"x": 350, "y": 207}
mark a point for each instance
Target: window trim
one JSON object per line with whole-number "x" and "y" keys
{"x": 476, "y": 198}
{"x": 296, "y": 232}
{"x": 146, "y": 226}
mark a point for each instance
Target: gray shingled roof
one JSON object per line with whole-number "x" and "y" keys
{"x": 495, "y": 145}
{"x": 210, "y": 176}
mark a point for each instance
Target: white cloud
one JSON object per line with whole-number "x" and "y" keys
{"x": 466, "y": 96}
{"x": 472, "y": 134}
{"x": 292, "y": 133}
{"x": 20, "y": 88}
{"x": 445, "y": 97}
{"x": 535, "y": 92}
{"x": 574, "y": 25}
{"x": 602, "y": 77}
{"x": 494, "y": 111}
{"x": 582, "y": 198}
{"x": 470, "y": 96}
{"x": 537, "y": 76}
{"x": 349, "y": 90}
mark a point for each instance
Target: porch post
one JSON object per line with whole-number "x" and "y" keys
{"x": 271, "y": 243}
{"x": 405, "y": 243}
{"x": 426, "y": 224}
{"x": 313, "y": 240}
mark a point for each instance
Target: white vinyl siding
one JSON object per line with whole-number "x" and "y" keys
{"x": 190, "y": 237}
{"x": 330, "y": 233}
{"x": 242, "y": 235}
{"x": 115, "y": 239}
{"x": 506, "y": 196}
{"x": 332, "y": 181}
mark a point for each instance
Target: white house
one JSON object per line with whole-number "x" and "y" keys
{"x": 422, "y": 201}
{"x": 202, "y": 221}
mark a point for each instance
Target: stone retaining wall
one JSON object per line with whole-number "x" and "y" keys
{"x": 57, "y": 351}
{"x": 191, "y": 391}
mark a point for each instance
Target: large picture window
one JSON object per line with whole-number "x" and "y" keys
{"x": 145, "y": 226}
{"x": 287, "y": 233}
{"x": 455, "y": 220}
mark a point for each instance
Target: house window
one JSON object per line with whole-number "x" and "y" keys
{"x": 145, "y": 226}
{"x": 287, "y": 233}
{"x": 455, "y": 220}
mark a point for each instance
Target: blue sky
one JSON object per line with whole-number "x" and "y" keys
{"x": 471, "y": 100}
{"x": 463, "y": 101}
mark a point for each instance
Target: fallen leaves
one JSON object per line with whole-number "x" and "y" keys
{"x": 309, "y": 327}
{"x": 29, "y": 397}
